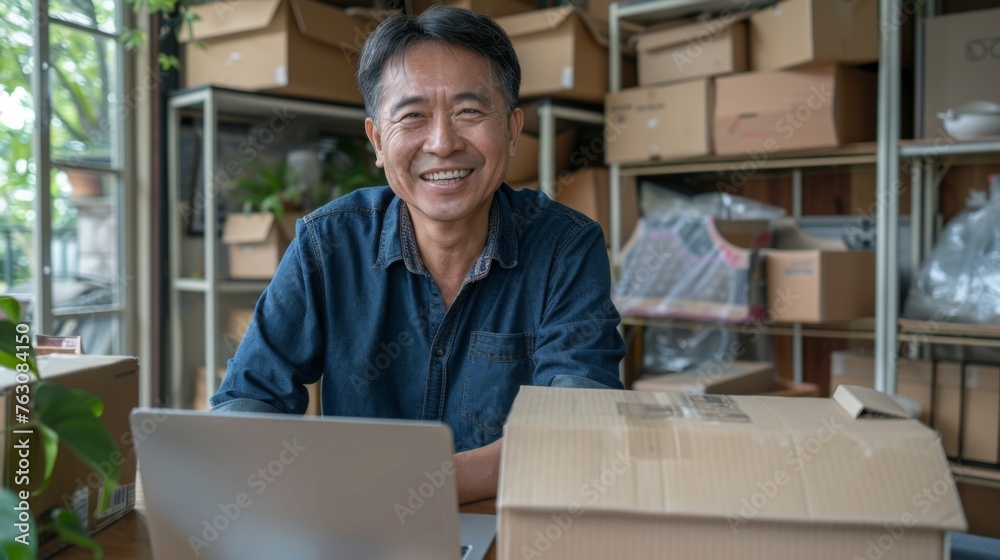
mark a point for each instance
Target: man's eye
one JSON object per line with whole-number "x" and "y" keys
{"x": 470, "y": 111}
{"x": 411, "y": 116}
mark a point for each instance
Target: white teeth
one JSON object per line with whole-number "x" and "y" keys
{"x": 446, "y": 175}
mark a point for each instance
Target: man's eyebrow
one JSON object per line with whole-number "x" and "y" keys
{"x": 408, "y": 100}
{"x": 473, "y": 95}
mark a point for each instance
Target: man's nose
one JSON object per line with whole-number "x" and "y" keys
{"x": 444, "y": 138}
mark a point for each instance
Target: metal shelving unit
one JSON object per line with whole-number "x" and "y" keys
{"x": 884, "y": 151}
{"x": 213, "y": 105}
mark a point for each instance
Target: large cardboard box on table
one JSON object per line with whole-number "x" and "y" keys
{"x": 961, "y": 63}
{"x": 803, "y": 32}
{"x": 256, "y": 243}
{"x": 659, "y": 122}
{"x": 588, "y": 191}
{"x": 73, "y": 484}
{"x": 815, "y": 280}
{"x": 625, "y": 474}
{"x": 492, "y": 8}
{"x": 294, "y": 47}
{"x": 563, "y": 54}
{"x": 810, "y": 108}
{"x": 697, "y": 50}
{"x": 944, "y": 412}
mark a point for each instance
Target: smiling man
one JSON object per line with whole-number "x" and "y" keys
{"x": 438, "y": 296}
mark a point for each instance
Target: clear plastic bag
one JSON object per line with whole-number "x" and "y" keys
{"x": 960, "y": 281}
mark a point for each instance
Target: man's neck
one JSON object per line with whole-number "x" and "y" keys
{"x": 449, "y": 251}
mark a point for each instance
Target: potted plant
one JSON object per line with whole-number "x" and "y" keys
{"x": 56, "y": 414}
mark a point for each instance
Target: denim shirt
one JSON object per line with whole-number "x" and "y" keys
{"x": 353, "y": 304}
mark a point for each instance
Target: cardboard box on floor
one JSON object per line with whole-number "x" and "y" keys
{"x": 803, "y": 32}
{"x": 73, "y": 485}
{"x": 697, "y": 50}
{"x": 625, "y": 474}
{"x": 982, "y": 399}
{"x": 588, "y": 191}
{"x": 563, "y": 54}
{"x": 256, "y": 243}
{"x": 738, "y": 378}
{"x": 815, "y": 280}
{"x": 523, "y": 167}
{"x": 961, "y": 63}
{"x": 294, "y": 47}
{"x": 810, "y": 108}
{"x": 659, "y": 122}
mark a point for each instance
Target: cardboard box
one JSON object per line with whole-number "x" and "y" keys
{"x": 523, "y": 167}
{"x": 629, "y": 474}
{"x": 563, "y": 54}
{"x": 803, "y": 32}
{"x": 739, "y": 378}
{"x": 982, "y": 399}
{"x": 814, "y": 280}
{"x": 961, "y": 63}
{"x": 821, "y": 107}
{"x": 698, "y": 50}
{"x": 256, "y": 243}
{"x": 73, "y": 485}
{"x": 713, "y": 378}
{"x": 294, "y": 47}
{"x": 589, "y": 192}
{"x": 659, "y": 122}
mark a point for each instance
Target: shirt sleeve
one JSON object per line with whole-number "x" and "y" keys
{"x": 578, "y": 344}
{"x": 282, "y": 350}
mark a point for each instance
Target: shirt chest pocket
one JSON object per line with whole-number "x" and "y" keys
{"x": 498, "y": 364}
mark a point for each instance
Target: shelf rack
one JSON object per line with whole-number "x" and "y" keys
{"x": 213, "y": 104}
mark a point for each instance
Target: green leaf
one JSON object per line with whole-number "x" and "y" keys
{"x": 133, "y": 38}
{"x": 92, "y": 400}
{"x": 69, "y": 529}
{"x": 168, "y": 62}
{"x": 73, "y": 420}
{"x": 11, "y": 308}
{"x": 9, "y": 547}
{"x": 50, "y": 445}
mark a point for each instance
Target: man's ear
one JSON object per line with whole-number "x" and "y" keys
{"x": 514, "y": 125}
{"x": 375, "y": 137}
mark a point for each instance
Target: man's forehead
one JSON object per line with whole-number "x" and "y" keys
{"x": 431, "y": 56}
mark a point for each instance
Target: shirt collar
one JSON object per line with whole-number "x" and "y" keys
{"x": 398, "y": 242}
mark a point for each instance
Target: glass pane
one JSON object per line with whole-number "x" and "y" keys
{"x": 87, "y": 275}
{"x": 83, "y": 84}
{"x": 92, "y": 13}
{"x": 17, "y": 123}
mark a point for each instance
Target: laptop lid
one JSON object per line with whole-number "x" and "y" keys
{"x": 263, "y": 486}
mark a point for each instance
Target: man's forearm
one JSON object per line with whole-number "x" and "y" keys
{"x": 477, "y": 472}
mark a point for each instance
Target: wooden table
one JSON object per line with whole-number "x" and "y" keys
{"x": 128, "y": 538}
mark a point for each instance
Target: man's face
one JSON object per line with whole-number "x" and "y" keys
{"x": 443, "y": 138}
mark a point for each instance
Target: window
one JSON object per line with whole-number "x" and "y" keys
{"x": 62, "y": 141}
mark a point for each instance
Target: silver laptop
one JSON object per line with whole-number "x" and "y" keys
{"x": 264, "y": 486}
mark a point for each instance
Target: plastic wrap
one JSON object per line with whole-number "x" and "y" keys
{"x": 960, "y": 281}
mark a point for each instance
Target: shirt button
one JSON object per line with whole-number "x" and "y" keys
{"x": 439, "y": 352}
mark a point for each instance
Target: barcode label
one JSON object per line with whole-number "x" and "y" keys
{"x": 81, "y": 504}
{"x": 122, "y": 498}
